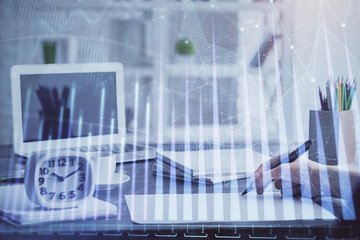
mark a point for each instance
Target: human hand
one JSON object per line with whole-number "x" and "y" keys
{"x": 299, "y": 178}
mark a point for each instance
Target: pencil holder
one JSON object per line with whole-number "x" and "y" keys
{"x": 333, "y": 135}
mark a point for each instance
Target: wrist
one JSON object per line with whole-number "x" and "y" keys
{"x": 332, "y": 181}
{"x": 323, "y": 179}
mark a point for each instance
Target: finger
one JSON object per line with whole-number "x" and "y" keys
{"x": 275, "y": 161}
{"x": 267, "y": 165}
{"x": 259, "y": 174}
{"x": 271, "y": 164}
{"x": 262, "y": 180}
{"x": 278, "y": 184}
{"x": 288, "y": 188}
{"x": 259, "y": 182}
{"x": 295, "y": 171}
{"x": 258, "y": 178}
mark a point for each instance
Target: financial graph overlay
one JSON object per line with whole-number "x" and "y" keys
{"x": 250, "y": 80}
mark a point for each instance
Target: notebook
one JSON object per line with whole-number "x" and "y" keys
{"x": 77, "y": 106}
{"x": 211, "y": 166}
{"x": 17, "y": 209}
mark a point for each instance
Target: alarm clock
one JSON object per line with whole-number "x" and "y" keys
{"x": 59, "y": 179}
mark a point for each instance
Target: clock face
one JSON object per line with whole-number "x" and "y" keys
{"x": 63, "y": 179}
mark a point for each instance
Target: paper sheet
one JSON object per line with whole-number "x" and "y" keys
{"x": 221, "y": 207}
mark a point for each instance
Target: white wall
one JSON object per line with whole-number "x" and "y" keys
{"x": 323, "y": 46}
{"x": 94, "y": 27}
{"x": 23, "y": 26}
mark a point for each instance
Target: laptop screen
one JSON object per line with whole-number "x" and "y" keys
{"x": 68, "y": 105}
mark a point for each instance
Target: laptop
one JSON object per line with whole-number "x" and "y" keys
{"x": 71, "y": 106}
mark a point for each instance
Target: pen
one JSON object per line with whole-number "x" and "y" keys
{"x": 321, "y": 99}
{"x": 337, "y": 104}
{"x": 352, "y": 92}
{"x": 328, "y": 95}
{"x": 292, "y": 157}
{"x": 339, "y": 92}
{"x": 342, "y": 94}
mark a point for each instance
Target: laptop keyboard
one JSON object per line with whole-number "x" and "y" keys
{"x": 350, "y": 233}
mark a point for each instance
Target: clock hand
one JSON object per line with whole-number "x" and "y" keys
{"x": 61, "y": 179}
{"x": 72, "y": 173}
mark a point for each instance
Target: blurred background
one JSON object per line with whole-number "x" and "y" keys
{"x": 247, "y": 70}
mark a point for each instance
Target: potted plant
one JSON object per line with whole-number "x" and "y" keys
{"x": 185, "y": 46}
